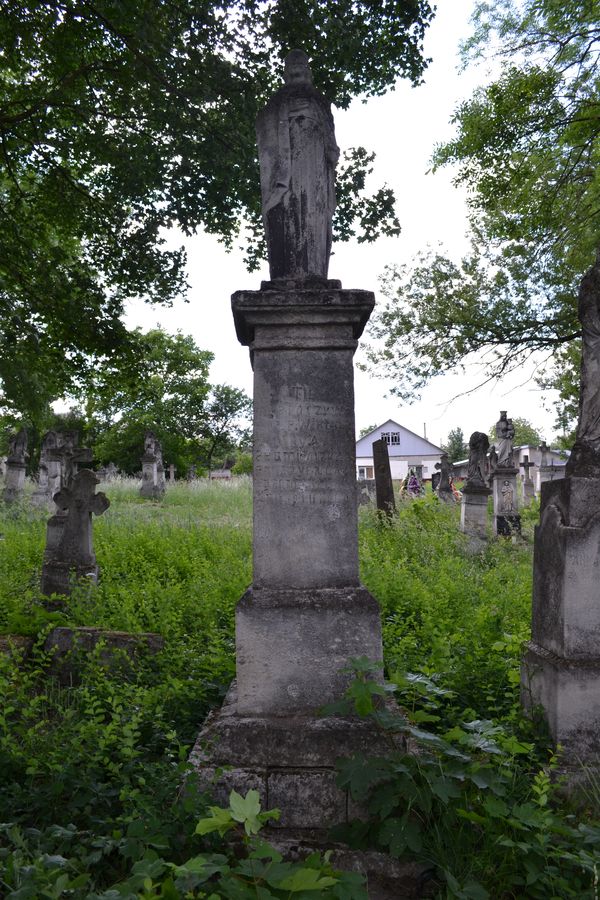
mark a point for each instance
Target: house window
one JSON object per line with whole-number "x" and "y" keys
{"x": 365, "y": 472}
{"x": 390, "y": 437}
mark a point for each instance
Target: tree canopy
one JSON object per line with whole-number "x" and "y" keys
{"x": 120, "y": 120}
{"x": 526, "y": 148}
{"x": 455, "y": 445}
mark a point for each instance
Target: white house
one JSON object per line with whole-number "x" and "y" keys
{"x": 407, "y": 451}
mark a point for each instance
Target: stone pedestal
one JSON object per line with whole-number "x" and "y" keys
{"x": 149, "y": 489}
{"x": 528, "y": 491}
{"x": 474, "y": 510}
{"x": 561, "y": 666}
{"x": 507, "y": 520}
{"x": 306, "y": 612}
{"x": 14, "y": 481}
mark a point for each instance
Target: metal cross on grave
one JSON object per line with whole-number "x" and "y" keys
{"x": 527, "y": 466}
{"x": 80, "y": 501}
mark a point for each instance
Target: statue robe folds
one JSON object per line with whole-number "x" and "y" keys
{"x": 585, "y": 456}
{"x": 298, "y": 155}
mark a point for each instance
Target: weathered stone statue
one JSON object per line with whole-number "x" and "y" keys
{"x": 298, "y": 156}
{"x": 477, "y": 467}
{"x": 17, "y": 447}
{"x": 585, "y": 456}
{"x": 474, "y": 501}
{"x": 505, "y": 434}
{"x": 507, "y": 504}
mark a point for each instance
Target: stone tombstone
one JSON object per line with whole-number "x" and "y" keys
{"x": 298, "y": 155}
{"x": 16, "y": 465}
{"x": 153, "y": 473}
{"x": 63, "y": 461}
{"x": 74, "y": 556}
{"x": 384, "y": 488}
{"x": 492, "y": 463}
{"x": 191, "y": 473}
{"x": 366, "y": 492}
{"x": 444, "y": 488}
{"x": 507, "y": 520}
{"x": 528, "y": 485}
{"x": 46, "y": 485}
{"x": 172, "y": 472}
{"x": 561, "y": 665}
{"x": 475, "y": 493}
{"x": 306, "y": 613}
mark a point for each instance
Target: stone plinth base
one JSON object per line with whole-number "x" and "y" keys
{"x": 289, "y": 760}
{"x": 506, "y": 526}
{"x": 474, "y": 511}
{"x": 14, "y": 482}
{"x": 291, "y": 645}
{"x": 528, "y": 492}
{"x": 58, "y": 577}
{"x": 41, "y": 498}
{"x": 118, "y": 649}
{"x": 365, "y": 490}
{"x": 568, "y": 690}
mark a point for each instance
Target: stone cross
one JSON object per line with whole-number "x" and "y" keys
{"x": 153, "y": 473}
{"x": 526, "y": 465}
{"x": 298, "y": 155}
{"x": 384, "y": 488}
{"x": 543, "y": 448}
{"x": 74, "y": 552}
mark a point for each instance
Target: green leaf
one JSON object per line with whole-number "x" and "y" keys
{"x": 306, "y": 880}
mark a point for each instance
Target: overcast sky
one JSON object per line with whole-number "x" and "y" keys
{"x": 402, "y": 128}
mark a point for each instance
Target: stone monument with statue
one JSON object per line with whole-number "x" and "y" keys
{"x": 561, "y": 666}
{"x": 306, "y": 613}
{"x": 507, "y": 520}
{"x": 475, "y": 493}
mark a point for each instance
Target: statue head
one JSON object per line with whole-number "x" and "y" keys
{"x": 296, "y": 68}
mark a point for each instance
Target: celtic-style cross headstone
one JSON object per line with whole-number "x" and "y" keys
{"x": 74, "y": 553}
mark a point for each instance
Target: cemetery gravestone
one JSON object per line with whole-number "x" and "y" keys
{"x": 528, "y": 486}
{"x": 74, "y": 556}
{"x": 172, "y": 472}
{"x": 507, "y": 520}
{"x": 474, "y": 503}
{"x": 561, "y": 665}
{"x": 443, "y": 488}
{"x": 384, "y": 488}
{"x": 153, "y": 473}
{"x": 42, "y": 494}
{"x": 63, "y": 462}
{"x": 306, "y": 612}
{"x": 16, "y": 463}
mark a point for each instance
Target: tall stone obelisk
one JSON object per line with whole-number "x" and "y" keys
{"x": 306, "y": 612}
{"x": 561, "y": 665}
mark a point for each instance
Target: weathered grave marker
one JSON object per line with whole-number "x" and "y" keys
{"x": 73, "y": 556}
{"x": 528, "y": 485}
{"x": 507, "y": 520}
{"x": 561, "y": 666}
{"x": 475, "y": 493}
{"x": 384, "y": 487}
{"x": 153, "y": 473}
{"x": 16, "y": 464}
{"x": 444, "y": 488}
{"x": 306, "y": 612}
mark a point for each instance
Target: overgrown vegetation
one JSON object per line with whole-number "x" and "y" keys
{"x": 91, "y": 774}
